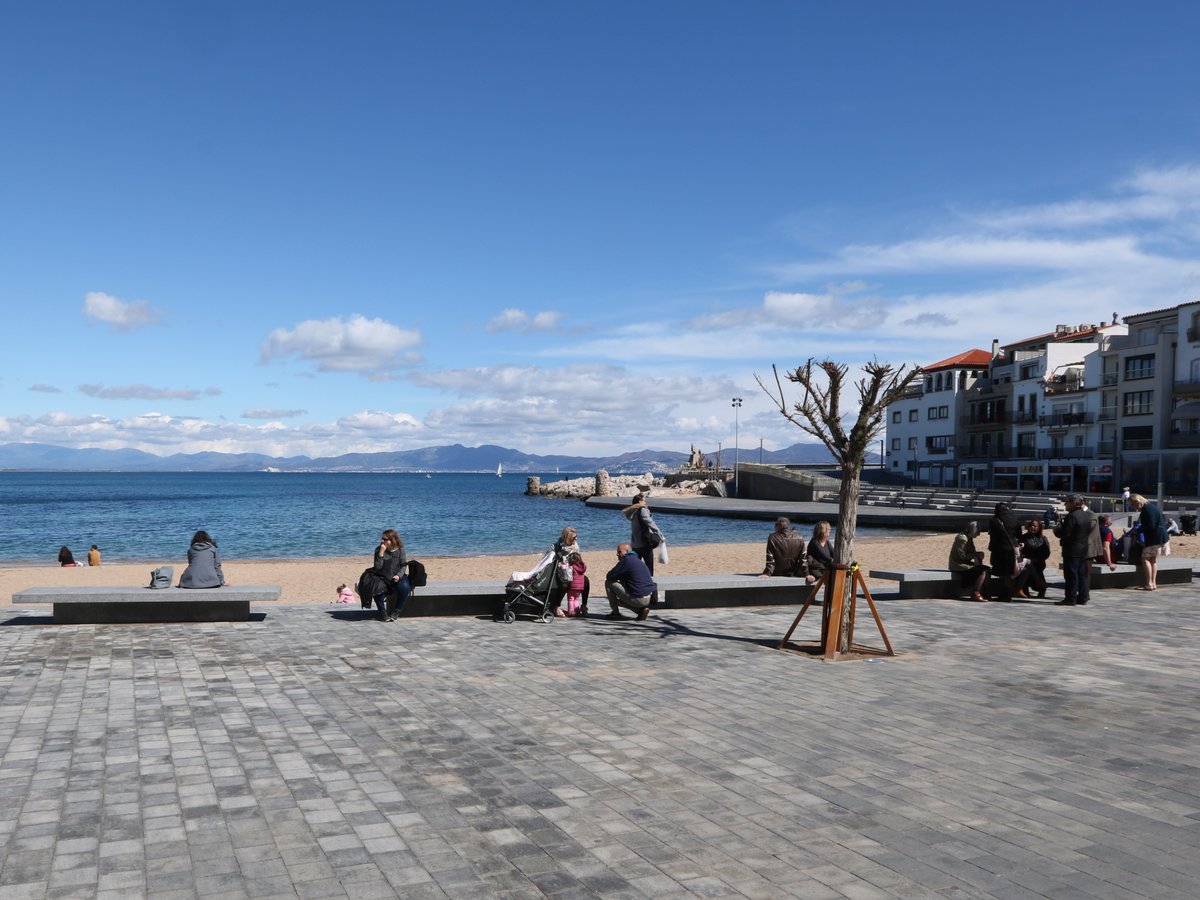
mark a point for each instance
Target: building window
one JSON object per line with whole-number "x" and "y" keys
{"x": 912, "y": 443}
{"x": 1138, "y": 403}
{"x": 896, "y": 417}
{"x": 1029, "y": 371}
{"x": 1140, "y": 437}
{"x": 914, "y": 415}
{"x": 1137, "y": 367}
{"x": 895, "y": 443}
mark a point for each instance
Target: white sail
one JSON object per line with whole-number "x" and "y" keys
{"x": 499, "y": 470}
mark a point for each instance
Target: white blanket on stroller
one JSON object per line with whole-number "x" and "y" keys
{"x": 520, "y": 579}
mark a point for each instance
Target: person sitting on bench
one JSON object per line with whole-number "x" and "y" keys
{"x": 967, "y": 563}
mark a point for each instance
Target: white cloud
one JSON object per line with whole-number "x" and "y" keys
{"x": 118, "y": 314}
{"x": 259, "y": 413}
{"x": 45, "y": 389}
{"x": 144, "y": 392}
{"x": 519, "y": 320}
{"x": 371, "y": 347}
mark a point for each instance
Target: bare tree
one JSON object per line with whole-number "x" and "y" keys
{"x": 819, "y": 413}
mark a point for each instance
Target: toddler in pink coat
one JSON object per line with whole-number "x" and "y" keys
{"x": 575, "y": 591}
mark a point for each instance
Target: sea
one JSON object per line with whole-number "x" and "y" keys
{"x": 144, "y": 517}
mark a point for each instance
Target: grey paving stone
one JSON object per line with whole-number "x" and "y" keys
{"x": 1012, "y": 751}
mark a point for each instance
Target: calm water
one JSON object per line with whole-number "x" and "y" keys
{"x": 258, "y": 515}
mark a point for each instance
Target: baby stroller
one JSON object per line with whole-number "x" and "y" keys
{"x": 537, "y": 590}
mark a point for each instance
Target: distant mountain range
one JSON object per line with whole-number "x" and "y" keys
{"x": 454, "y": 458}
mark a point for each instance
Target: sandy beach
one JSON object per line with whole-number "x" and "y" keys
{"x": 316, "y": 580}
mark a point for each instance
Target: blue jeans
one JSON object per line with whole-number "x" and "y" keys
{"x": 392, "y": 603}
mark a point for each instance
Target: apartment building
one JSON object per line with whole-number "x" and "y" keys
{"x": 1024, "y": 416}
{"x": 1151, "y": 384}
{"x": 921, "y": 426}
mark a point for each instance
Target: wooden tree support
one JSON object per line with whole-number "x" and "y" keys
{"x": 834, "y": 644}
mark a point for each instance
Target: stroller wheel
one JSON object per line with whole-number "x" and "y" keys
{"x": 509, "y": 617}
{"x": 548, "y": 616}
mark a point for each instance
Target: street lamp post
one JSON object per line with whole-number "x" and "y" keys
{"x": 737, "y": 404}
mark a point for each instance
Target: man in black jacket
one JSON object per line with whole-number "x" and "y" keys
{"x": 1073, "y": 534}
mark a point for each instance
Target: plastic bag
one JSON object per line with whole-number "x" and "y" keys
{"x": 662, "y": 553}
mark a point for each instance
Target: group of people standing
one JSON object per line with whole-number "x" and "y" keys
{"x": 1018, "y": 555}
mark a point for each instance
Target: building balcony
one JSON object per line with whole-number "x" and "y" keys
{"x": 1067, "y": 420}
{"x": 1189, "y": 387}
{"x": 938, "y": 451}
{"x": 1025, "y": 453}
{"x": 1066, "y": 453}
{"x": 982, "y": 454}
{"x": 985, "y": 421}
{"x": 1059, "y": 385}
{"x": 1183, "y": 441}
{"x": 1108, "y": 413}
{"x": 1106, "y": 448}
{"x": 1138, "y": 444}
{"x": 1108, "y": 379}
{"x": 1024, "y": 416}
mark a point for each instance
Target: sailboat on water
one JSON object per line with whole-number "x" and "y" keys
{"x": 499, "y": 470}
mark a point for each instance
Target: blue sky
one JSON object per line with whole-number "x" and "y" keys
{"x": 565, "y": 227}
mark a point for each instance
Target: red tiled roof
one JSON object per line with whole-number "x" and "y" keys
{"x": 971, "y": 359}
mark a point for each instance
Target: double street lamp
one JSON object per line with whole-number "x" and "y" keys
{"x": 737, "y": 404}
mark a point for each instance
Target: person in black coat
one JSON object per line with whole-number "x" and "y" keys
{"x": 1072, "y": 533}
{"x": 1035, "y": 550}
{"x": 1004, "y": 533}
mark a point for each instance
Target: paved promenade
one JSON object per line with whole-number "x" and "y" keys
{"x": 1014, "y": 751}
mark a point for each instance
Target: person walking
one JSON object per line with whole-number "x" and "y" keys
{"x": 1073, "y": 532}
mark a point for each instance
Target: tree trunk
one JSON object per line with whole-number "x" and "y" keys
{"x": 847, "y": 522}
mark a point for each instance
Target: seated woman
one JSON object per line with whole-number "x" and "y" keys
{"x": 204, "y": 566}
{"x": 65, "y": 559}
{"x": 386, "y": 582}
{"x": 967, "y": 563}
{"x": 1035, "y": 550}
{"x": 820, "y": 551}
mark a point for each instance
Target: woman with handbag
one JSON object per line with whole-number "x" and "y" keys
{"x": 644, "y": 536}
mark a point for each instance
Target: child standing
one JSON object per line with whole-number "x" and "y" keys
{"x": 345, "y": 594}
{"x": 575, "y": 591}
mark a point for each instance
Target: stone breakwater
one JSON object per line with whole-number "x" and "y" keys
{"x": 604, "y": 485}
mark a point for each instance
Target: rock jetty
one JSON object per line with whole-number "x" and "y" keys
{"x": 604, "y": 485}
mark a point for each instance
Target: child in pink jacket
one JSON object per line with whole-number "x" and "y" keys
{"x": 575, "y": 591}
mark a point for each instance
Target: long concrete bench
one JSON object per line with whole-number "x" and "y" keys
{"x": 483, "y": 598}
{"x": 120, "y": 605}
{"x": 924, "y": 584}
